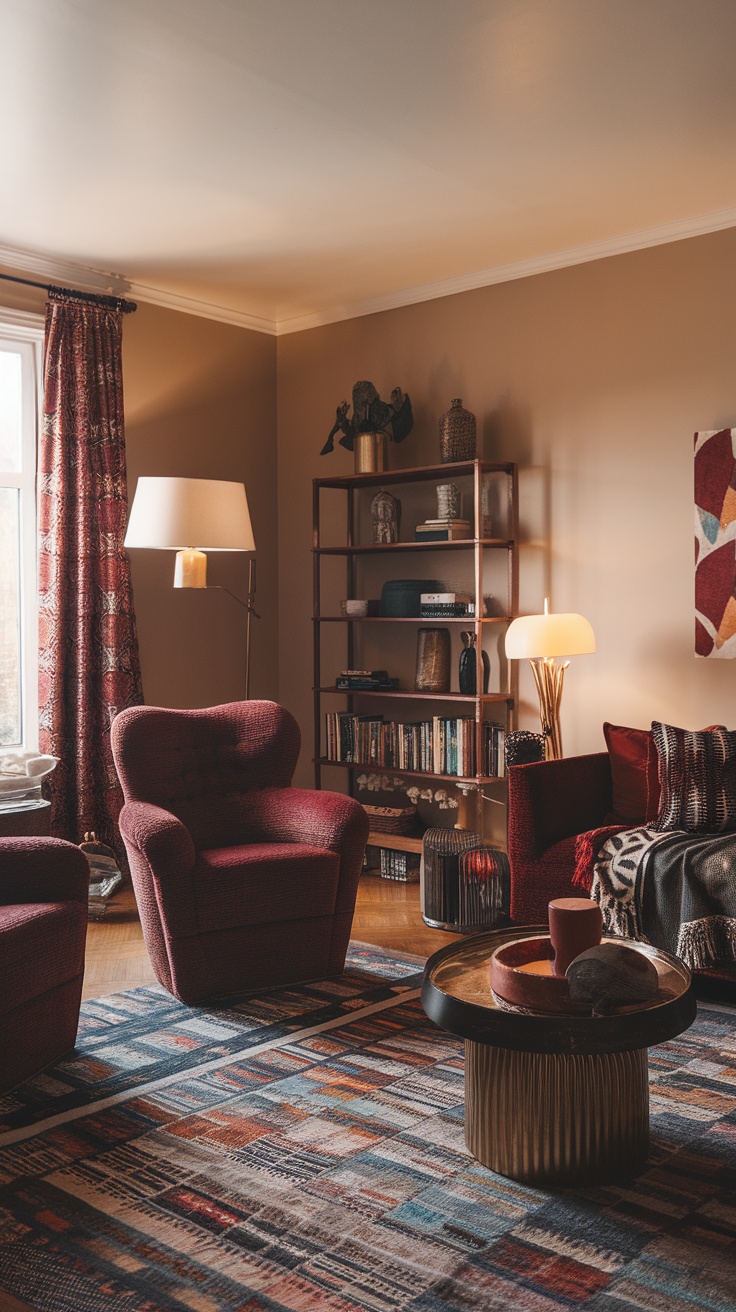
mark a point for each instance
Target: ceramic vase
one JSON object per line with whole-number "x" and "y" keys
{"x": 433, "y": 661}
{"x": 467, "y": 671}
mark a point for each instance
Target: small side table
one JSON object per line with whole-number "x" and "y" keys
{"x": 22, "y": 821}
{"x": 552, "y": 1099}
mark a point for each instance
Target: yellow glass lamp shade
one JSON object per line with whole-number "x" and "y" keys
{"x": 541, "y": 639}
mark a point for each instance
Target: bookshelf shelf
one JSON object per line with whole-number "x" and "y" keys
{"x": 498, "y": 698}
{"x": 388, "y": 548}
{"x": 471, "y": 779}
{"x": 466, "y": 620}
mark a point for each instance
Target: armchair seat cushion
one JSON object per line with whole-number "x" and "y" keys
{"x": 41, "y": 947}
{"x": 264, "y": 883}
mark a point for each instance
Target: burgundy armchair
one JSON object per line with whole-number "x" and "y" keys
{"x": 551, "y": 803}
{"x": 44, "y": 886}
{"x": 242, "y": 882}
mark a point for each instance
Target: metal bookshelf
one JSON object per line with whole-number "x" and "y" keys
{"x": 353, "y": 550}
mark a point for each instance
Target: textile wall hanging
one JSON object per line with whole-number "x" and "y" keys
{"x": 88, "y": 647}
{"x": 715, "y": 543}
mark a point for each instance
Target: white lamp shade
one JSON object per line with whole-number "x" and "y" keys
{"x": 175, "y": 513}
{"x": 534, "y": 636}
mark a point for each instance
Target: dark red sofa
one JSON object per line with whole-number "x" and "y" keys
{"x": 44, "y": 885}
{"x": 551, "y": 803}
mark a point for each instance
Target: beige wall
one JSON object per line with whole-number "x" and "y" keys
{"x": 199, "y": 402}
{"x": 594, "y": 379}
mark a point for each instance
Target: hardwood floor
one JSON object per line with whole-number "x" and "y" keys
{"x": 386, "y": 913}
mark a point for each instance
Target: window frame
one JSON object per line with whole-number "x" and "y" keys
{"x": 24, "y": 332}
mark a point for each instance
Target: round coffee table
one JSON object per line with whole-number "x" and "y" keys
{"x": 549, "y": 1098}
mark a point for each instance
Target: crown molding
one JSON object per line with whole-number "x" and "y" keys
{"x": 87, "y": 278}
{"x": 205, "y": 310}
{"x": 678, "y": 230}
{"x": 60, "y": 272}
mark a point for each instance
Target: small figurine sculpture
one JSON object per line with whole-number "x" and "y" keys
{"x": 385, "y": 512}
{"x": 371, "y": 415}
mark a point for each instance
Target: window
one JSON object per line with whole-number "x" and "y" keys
{"x": 21, "y": 339}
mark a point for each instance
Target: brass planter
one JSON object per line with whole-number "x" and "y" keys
{"x": 370, "y": 453}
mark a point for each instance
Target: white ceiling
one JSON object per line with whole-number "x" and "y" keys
{"x": 287, "y": 162}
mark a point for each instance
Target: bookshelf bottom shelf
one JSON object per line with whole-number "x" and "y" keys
{"x": 469, "y": 780}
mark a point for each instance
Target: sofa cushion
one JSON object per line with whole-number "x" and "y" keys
{"x": 261, "y": 883}
{"x": 635, "y": 787}
{"x": 41, "y": 947}
{"x": 697, "y": 772}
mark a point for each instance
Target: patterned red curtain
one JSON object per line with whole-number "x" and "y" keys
{"x": 88, "y": 665}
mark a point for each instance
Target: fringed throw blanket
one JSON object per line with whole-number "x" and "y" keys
{"x": 675, "y": 890}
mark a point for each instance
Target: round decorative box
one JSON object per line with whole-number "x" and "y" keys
{"x": 401, "y": 598}
{"x": 457, "y": 434}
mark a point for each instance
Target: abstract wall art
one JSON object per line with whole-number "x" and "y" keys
{"x": 715, "y": 543}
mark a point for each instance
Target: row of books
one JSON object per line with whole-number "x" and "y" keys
{"x": 442, "y": 745}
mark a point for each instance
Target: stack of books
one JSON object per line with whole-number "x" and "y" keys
{"x": 442, "y": 745}
{"x": 445, "y": 605}
{"x": 442, "y": 530}
{"x": 401, "y": 866}
{"x": 366, "y": 681}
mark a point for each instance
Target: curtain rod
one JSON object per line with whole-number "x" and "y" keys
{"x": 93, "y": 298}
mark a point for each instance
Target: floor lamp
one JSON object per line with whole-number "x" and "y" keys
{"x": 540, "y": 639}
{"x": 192, "y": 516}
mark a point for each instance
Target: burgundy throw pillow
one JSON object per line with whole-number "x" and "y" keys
{"x": 634, "y": 774}
{"x": 697, "y": 773}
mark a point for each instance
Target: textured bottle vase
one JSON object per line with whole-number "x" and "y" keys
{"x": 457, "y": 434}
{"x": 370, "y": 453}
{"x": 433, "y": 660}
{"x": 467, "y": 671}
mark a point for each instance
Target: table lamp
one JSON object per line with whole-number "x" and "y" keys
{"x": 192, "y": 516}
{"x": 540, "y": 639}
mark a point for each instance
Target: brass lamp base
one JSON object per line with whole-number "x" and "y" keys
{"x": 549, "y": 676}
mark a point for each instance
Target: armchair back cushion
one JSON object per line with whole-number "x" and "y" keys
{"x": 202, "y": 765}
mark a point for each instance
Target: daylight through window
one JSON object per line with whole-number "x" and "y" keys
{"x": 19, "y": 362}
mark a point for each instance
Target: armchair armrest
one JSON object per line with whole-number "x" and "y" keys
{"x": 159, "y": 836}
{"x": 37, "y": 869}
{"x": 552, "y": 800}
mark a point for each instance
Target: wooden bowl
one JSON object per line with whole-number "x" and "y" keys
{"x": 521, "y": 975}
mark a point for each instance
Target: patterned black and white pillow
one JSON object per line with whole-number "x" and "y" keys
{"x": 697, "y": 775}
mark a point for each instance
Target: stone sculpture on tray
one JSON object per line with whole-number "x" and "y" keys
{"x": 371, "y": 415}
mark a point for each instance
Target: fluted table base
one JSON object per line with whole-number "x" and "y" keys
{"x": 554, "y": 1119}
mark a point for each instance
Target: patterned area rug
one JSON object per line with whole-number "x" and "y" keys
{"x": 303, "y": 1150}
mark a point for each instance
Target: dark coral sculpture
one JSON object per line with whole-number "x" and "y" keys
{"x": 371, "y": 415}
